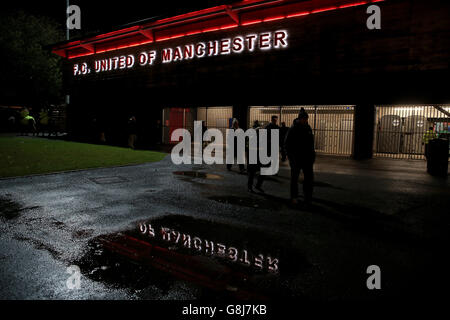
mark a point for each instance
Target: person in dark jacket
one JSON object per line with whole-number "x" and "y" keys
{"x": 132, "y": 132}
{"x": 235, "y": 126}
{"x": 252, "y": 169}
{"x": 299, "y": 145}
{"x": 204, "y": 128}
{"x": 272, "y": 125}
{"x": 283, "y": 132}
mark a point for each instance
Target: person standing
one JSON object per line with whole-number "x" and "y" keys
{"x": 53, "y": 125}
{"x": 132, "y": 132}
{"x": 429, "y": 135}
{"x": 272, "y": 125}
{"x": 299, "y": 145}
{"x": 204, "y": 128}
{"x": 235, "y": 126}
{"x": 31, "y": 125}
{"x": 24, "y": 113}
{"x": 43, "y": 121}
{"x": 252, "y": 169}
{"x": 102, "y": 125}
{"x": 283, "y": 131}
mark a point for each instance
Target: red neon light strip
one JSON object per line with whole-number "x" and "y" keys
{"x": 229, "y": 27}
{"x": 298, "y": 14}
{"x": 247, "y": 23}
{"x": 133, "y": 44}
{"x": 274, "y": 18}
{"x": 211, "y": 29}
{"x": 193, "y": 32}
{"x": 251, "y": 22}
{"x": 352, "y": 4}
{"x": 324, "y": 9}
{"x": 178, "y": 36}
{"x": 162, "y": 39}
{"x": 82, "y": 55}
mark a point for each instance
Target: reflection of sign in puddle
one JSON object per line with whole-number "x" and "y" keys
{"x": 243, "y": 262}
{"x": 208, "y": 247}
{"x": 196, "y": 174}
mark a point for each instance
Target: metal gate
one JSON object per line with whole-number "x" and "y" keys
{"x": 216, "y": 117}
{"x": 175, "y": 118}
{"x": 332, "y": 125}
{"x": 399, "y": 129}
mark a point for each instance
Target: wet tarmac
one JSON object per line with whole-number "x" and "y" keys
{"x": 160, "y": 231}
{"x": 197, "y": 174}
{"x": 247, "y": 202}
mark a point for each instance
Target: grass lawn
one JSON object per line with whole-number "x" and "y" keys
{"x": 21, "y": 156}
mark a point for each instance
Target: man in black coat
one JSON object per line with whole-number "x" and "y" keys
{"x": 299, "y": 145}
{"x": 132, "y": 132}
{"x": 235, "y": 126}
{"x": 272, "y": 125}
{"x": 252, "y": 169}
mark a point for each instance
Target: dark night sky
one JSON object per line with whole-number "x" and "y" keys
{"x": 103, "y": 15}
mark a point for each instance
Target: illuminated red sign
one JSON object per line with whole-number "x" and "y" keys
{"x": 238, "y": 44}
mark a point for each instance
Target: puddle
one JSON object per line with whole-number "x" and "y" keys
{"x": 108, "y": 180}
{"x": 255, "y": 203}
{"x": 10, "y": 209}
{"x": 58, "y": 224}
{"x": 250, "y": 265}
{"x": 82, "y": 234}
{"x": 118, "y": 271}
{"x": 196, "y": 174}
{"x": 199, "y": 168}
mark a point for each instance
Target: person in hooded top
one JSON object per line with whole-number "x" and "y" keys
{"x": 299, "y": 146}
{"x": 253, "y": 169}
{"x": 235, "y": 126}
